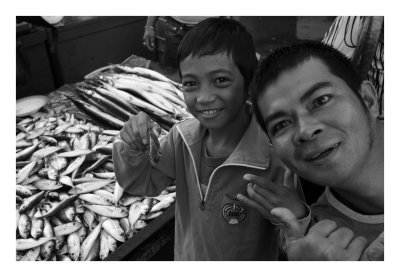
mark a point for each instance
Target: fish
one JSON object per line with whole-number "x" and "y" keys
{"x": 64, "y": 203}
{"x": 89, "y": 186}
{"x": 52, "y": 173}
{"x": 135, "y": 210}
{"x": 23, "y": 191}
{"x": 112, "y": 242}
{"x": 66, "y": 229}
{"x": 118, "y": 191}
{"x": 23, "y": 143}
{"x": 151, "y": 215}
{"x": 104, "y": 247}
{"x": 94, "y": 251}
{"x": 25, "y": 171}
{"x": 48, "y": 139}
{"x": 163, "y": 204}
{"x": 89, "y": 241}
{"x": 57, "y": 162}
{"x": 140, "y": 224}
{"x": 127, "y": 200}
{"x": 69, "y": 212}
{"x": 20, "y": 135}
{"x": 62, "y": 258}
{"x": 147, "y": 204}
{"x": 44, "y": 152}
{"x": 48, "y": 232}
{"x": 31, "y": 201}
{"x": 104, "y": 175}
{"x": 89, "y": 218}
{"x": 74, "y": 165}
{"x": 53, "y": 196}
{"x": 36, "y": 132}
{"x": 82, "y": 231}
{"x": 113, "y": 228}
{"x": 74, "y": 245}
{"x": 124, "y": 223}
{"x": 46, "y": 184}
{"x": 24, "y": 226}
{"x": 105, "y": 194}
{"x": 75, "y": 153}
{"x": 96, "y": 164}
{"x": 108, "y": 211}
{"x": 31, "y": 255}
{"x": 63, "y": 250}
{"x": 25, "y": 244}
{"x": 66, "y": 180}
{"x": 37, "y": 226}
{"x": 95, "y": 199}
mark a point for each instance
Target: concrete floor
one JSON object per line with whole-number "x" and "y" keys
{"x": 271, "y": 32}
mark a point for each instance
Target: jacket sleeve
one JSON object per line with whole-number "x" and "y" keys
{"x": 134, "y": 172}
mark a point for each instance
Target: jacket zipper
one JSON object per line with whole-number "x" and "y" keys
{"x": 203, "y": 198}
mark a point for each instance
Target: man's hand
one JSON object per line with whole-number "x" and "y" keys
{"x": 323, "y": 242}
{"x": 149, "y": 38}
{"x": 375, "y": 251}
{"x": 266, "y": 195}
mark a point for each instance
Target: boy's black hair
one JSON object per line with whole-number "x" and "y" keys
{"x": 218, "y": 35}
{"x": 286, "y": 58}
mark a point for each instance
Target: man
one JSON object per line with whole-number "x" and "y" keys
{"x": 322, "y": 121}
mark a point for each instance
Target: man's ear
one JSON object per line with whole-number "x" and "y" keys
{"x": 369, "y": 95}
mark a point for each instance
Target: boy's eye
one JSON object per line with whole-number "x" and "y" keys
{"x": 279, "y": 126}
{"x": 319, "y": 101}
{"x": 221, "y": 80}
{"x": 188, "y": 85}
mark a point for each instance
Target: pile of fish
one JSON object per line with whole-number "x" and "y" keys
{"x": 116, "y": 94}
{"x": 69, "y": 205}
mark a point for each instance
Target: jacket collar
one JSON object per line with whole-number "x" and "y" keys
{"x": 252, "y": 149}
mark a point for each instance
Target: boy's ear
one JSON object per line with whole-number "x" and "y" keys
{"x": 369, "y": 95}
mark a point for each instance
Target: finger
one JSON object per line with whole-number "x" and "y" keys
{"x": 288, "y": 179}
{"x": 127, "y": 133}
{"x": 323, "y": 228}
{"x": 252, "y": 204}
{"x": 375, "y": 251}
{"x": 264, "y": 186}
{"x": 291, "y": 226}
{"x": 259, "y": 198}
{"x": 356, "y": 247}
{"x": 341, "y": 237}
{"x": 143, "y": 127}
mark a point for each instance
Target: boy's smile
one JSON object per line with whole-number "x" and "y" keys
{"x": 213, "y": 88}
{"x": 316, "y": 124}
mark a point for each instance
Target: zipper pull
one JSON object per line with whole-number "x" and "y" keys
{"x": 202, "y": 205}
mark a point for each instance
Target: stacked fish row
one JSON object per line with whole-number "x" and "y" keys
{"x": 69, "y": 205}
{"x": 115, "y": 95}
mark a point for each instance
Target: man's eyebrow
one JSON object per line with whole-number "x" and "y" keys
{"x": 312, "y": 89}
{"x": 303, "y": 98}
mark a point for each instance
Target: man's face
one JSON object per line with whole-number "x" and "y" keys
{"x": 316, "y": 124}
{"x": 213, "y": 88}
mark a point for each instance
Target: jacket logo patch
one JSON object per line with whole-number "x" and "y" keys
{"x": 233, "y": 213}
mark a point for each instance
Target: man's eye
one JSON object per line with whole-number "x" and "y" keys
{"x": 279, "y": 126}
{"x": 319, "y": 101}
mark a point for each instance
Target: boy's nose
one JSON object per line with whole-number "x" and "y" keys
{"x": 205, "y": 96}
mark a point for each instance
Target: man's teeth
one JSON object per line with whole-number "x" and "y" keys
{"x": 209, "y": 112}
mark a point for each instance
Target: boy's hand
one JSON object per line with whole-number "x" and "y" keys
{"x": 136, "y": 131}
{"x": 266, "y": 195}
{"x": 375, "y": 251}
{"x": 149, "y": 37}
{"x": 324, "y": 241}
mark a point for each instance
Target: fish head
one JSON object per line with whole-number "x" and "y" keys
{"x": 50, "y": 247}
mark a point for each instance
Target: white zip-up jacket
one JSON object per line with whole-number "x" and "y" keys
{"x": 213, "y": 226}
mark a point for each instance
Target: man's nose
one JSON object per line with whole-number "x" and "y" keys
{"x": 307, "y": 130}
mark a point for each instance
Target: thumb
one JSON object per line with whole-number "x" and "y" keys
{"x": 375, "y": 251}
{"x": 291, "y": 227}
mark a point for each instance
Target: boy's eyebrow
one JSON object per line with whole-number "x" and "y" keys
{"x": 303, "y": 98}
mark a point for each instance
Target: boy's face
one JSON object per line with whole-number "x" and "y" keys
{"x": 213, "y": 88}
{"x": 316, "y": 124}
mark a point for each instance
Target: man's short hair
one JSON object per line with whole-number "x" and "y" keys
{"x": 289, "y": 57}
{"x": 221, "y": 35}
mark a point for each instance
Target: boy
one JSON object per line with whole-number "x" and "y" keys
{"x": 207, "y": 155}
{"x": 323, "y": 123}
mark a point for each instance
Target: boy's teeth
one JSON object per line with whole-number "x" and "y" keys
{"x": 208, "y": 112}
